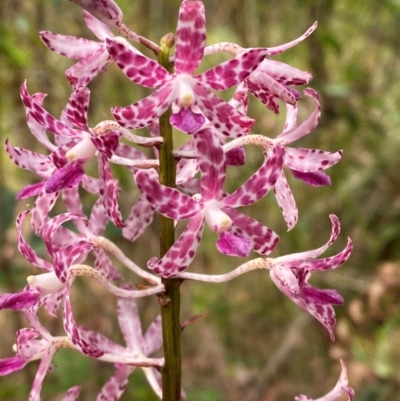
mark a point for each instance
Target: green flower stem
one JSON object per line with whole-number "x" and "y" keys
{"x": 170, "y": 302}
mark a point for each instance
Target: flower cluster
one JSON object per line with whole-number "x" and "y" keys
{"x": 218, "y": 132}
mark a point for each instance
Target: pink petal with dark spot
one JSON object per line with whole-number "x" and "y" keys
{"x": 286, "y": 202}
{"x": 233, "y": 72}
{"x": 145, "y": 111}
{"x": 167, "y": 201}
{"x": 108, "y": 192}
{"x": 140, "y": 216}
{"x": 315, "y": 179}
{"x": 83, "y": 72}
{"x": 182, "y": 253}
{"x": 190, "y": 37}
{"x": 211, "y": 161}
{"x": 235, "y": 157}
{"x": 137, "y": 67}
{"x": 69, "y": 46}
{"x": 223, "y": 117}
{"x": 260, "y": 183}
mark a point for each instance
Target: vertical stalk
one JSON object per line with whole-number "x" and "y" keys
{"x": 170, "y": 303}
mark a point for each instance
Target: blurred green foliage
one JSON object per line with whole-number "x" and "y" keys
{"x": 255, "y": 344}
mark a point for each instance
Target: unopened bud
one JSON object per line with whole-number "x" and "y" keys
{"x": 167, "y": 41}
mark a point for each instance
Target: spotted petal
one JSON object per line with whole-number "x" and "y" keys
{"x": 182, "y": 253}
{"x": 211, "y": 160}
{"x": 69, "y": 46}
{"x": 28, "y": 160}
{"x": 233, "y": 72}
{"x": 137, "y": 67}
{"x": 145, "y": 111}
{"x": 260, "y": 183}
{"x": 83, "y": 72}
{"x": 140, "y": 216}
{"x": 108, "y": 192}
{"x": 167, "y": 201}
{"x": 44, "y": 118}
{"x": 25, "y": 248}
{"x": 262, "y": 239}
{"x": 227, "y": 120}
{"x": 190, "y": 37}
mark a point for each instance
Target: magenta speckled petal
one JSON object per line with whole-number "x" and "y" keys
{"x": 140, "y": 216}
{"x": 306, "y": 126}
{"x": 98, "y": 218}
{"x": 25, "y": 248}
{"x": 77, "y": 108}
{"x": 152, "y": 340}
{"x": 65, "y": 177}
{"x": 20, "y": 300}
{"x": 315, "y": 252}
{"x": 262, "y": 239}
{"x": 44, "y": 118}
{"x": 321, "y": 297}
{"x": 310, "y": 160}
{"x": 83, "y": 72}
{"x": 266, "y": 89}
{"x": 72, "y": 394}
{"x": 260, "y": 183}
{"x": 323, "y": 313}
{"x": 181, "y": 254}
{"x": 41, "y": 208}
{"x": 10, "y": 365}
{"x": 108, "y": 192}
{"x": 69, "y": 255}
{"x": 129, "y": 323}
{"x": 211, "y": 160}
{"x": 145, "y": 111}
{"x": 37, "y": 130}
{"x": 107, "y": 144}
{"x": 190, "y": 37}
{"x": 284, "y": 73}
{"x": 116, "y": 384}
{"x": 167, "y": 201}
{"x": 233, "y": 72}
{"x": 43, "y": 369}
{"x": 105, "y": 266}
{"x": 286, "y": 202}
{"x": 187, "y": 121}
{"x": 53, "y": 225}
{"x": 235, "y": 157}
{"x": 315, "y": 179}
{"x": 101, "y": 30}
{"x": 75, "y": 336}
{"x": 137, "y": 67}
{"x": 233, "y": 245}
{"x": 329, "y": 263}
{"x": 28, "y": 160}
{"x": 106, "y": 11}
{"x": 30, "y": 190}
{"x": 227, "y": 120}
{"x": 69, "y": 46}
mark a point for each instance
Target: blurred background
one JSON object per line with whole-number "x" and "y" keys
{"x": 255, "y": 344}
